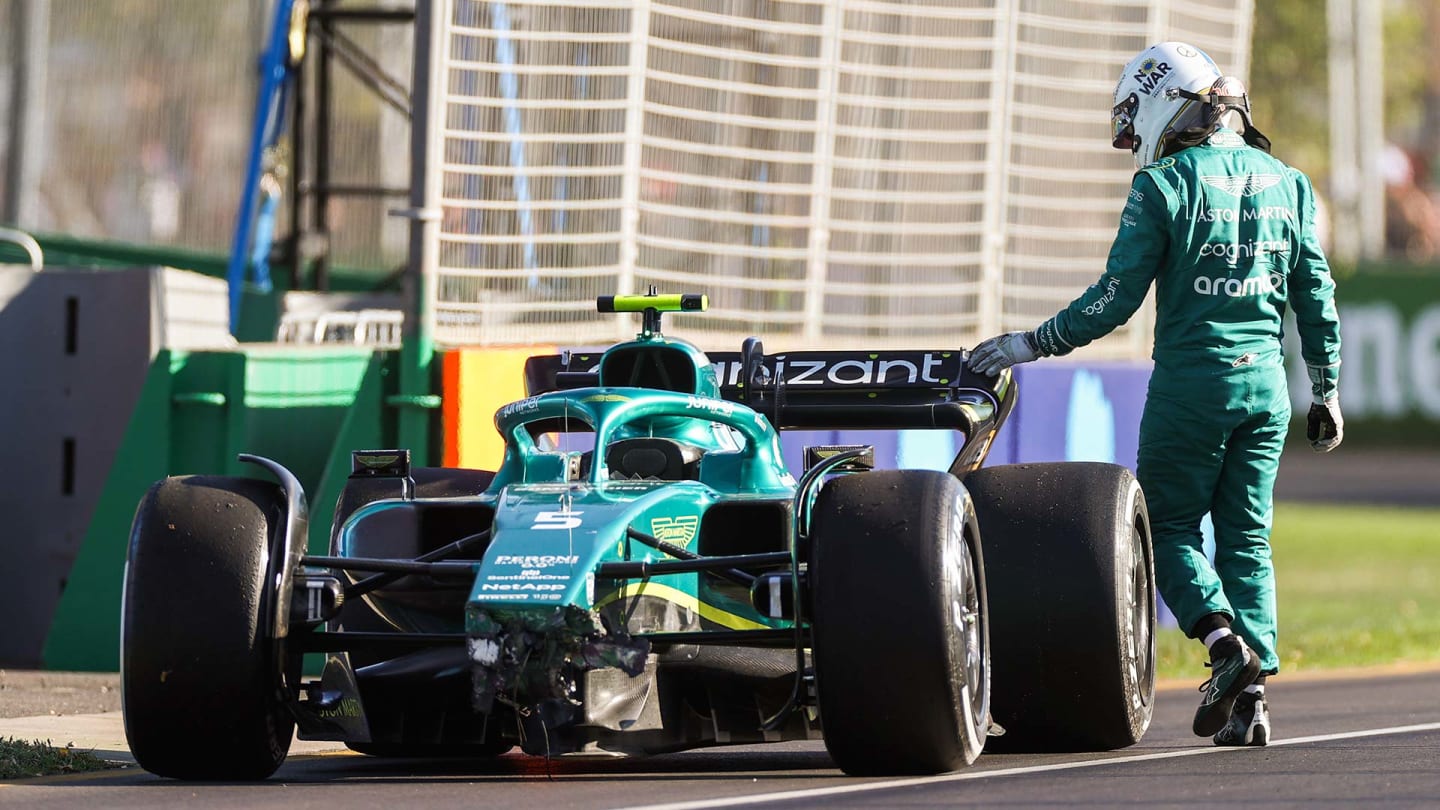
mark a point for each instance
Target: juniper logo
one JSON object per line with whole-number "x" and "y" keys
{"x": 1239, "y": 287}
{"x": 718, "y": 406}
{"x": 1244, "y": 185}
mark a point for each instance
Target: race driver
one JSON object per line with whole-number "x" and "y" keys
{"x": 1226, "y": 234}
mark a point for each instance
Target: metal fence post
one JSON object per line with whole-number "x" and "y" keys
{"x": 30, "y": 45}
{"x": 416, "y": 399}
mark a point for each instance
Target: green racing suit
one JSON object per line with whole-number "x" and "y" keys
{"x": 1225, "y": 232}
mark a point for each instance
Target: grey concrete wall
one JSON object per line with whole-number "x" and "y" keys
{"x": 77, "y": 346}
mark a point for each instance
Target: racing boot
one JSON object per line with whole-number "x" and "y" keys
{"x": 1249, "y": 722}
{"x": 1233, "y": 666}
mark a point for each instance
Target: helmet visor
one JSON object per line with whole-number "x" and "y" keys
{"x": 1122, "y": 123}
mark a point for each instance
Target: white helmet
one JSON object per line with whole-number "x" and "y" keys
{"x": 1172, "y": 96}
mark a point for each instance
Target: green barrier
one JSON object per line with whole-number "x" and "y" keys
{"x": 63, "y": 250}
{"x": 1390, "y": 356}
{"x": 305, "y": 408}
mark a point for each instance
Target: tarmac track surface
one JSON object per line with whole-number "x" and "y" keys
{"x": 1340, "y": 742}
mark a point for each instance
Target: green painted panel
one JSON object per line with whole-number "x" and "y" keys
{"x": 200, "y": 431}
{"x": 368, "y": 424}
{"x": 295, "y": 401}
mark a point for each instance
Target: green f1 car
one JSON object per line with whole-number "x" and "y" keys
{"x": 643, "y": 574}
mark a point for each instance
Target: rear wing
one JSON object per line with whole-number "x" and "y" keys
{"x": 837, "y": 390}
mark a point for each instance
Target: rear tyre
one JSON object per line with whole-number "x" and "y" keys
{"x": 200, "y": 680}
{"x": 1072, "y": 606}
{"x": 900, "y": 635}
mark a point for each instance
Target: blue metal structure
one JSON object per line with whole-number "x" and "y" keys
{"x": 256, "y": 216}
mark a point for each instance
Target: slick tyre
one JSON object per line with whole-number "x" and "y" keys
{"x": 200, "y": 683}
{"x": 900, "y": 636}
{"x": 1072, "y": 604}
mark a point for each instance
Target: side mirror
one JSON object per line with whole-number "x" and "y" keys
{"x": 759, "y": 388}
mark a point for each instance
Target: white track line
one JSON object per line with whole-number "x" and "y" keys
{"x": 798, "y": 795}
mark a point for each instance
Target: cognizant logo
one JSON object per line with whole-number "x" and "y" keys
{"x": 1233, "y": 251}
{"x": 1103, "y": 301}
{"x": 1239, "y": 287}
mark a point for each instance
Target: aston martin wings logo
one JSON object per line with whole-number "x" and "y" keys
{"x": 680, "y": 530}
{"x": 1245, "y": 185}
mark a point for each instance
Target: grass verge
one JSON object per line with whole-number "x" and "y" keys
{"x": 1357, "y": 586}
{"x": 21, "y": 760}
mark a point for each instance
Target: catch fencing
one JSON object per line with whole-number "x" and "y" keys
{"x": 142, "y": 116}
{"x": 830, "y": 172}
